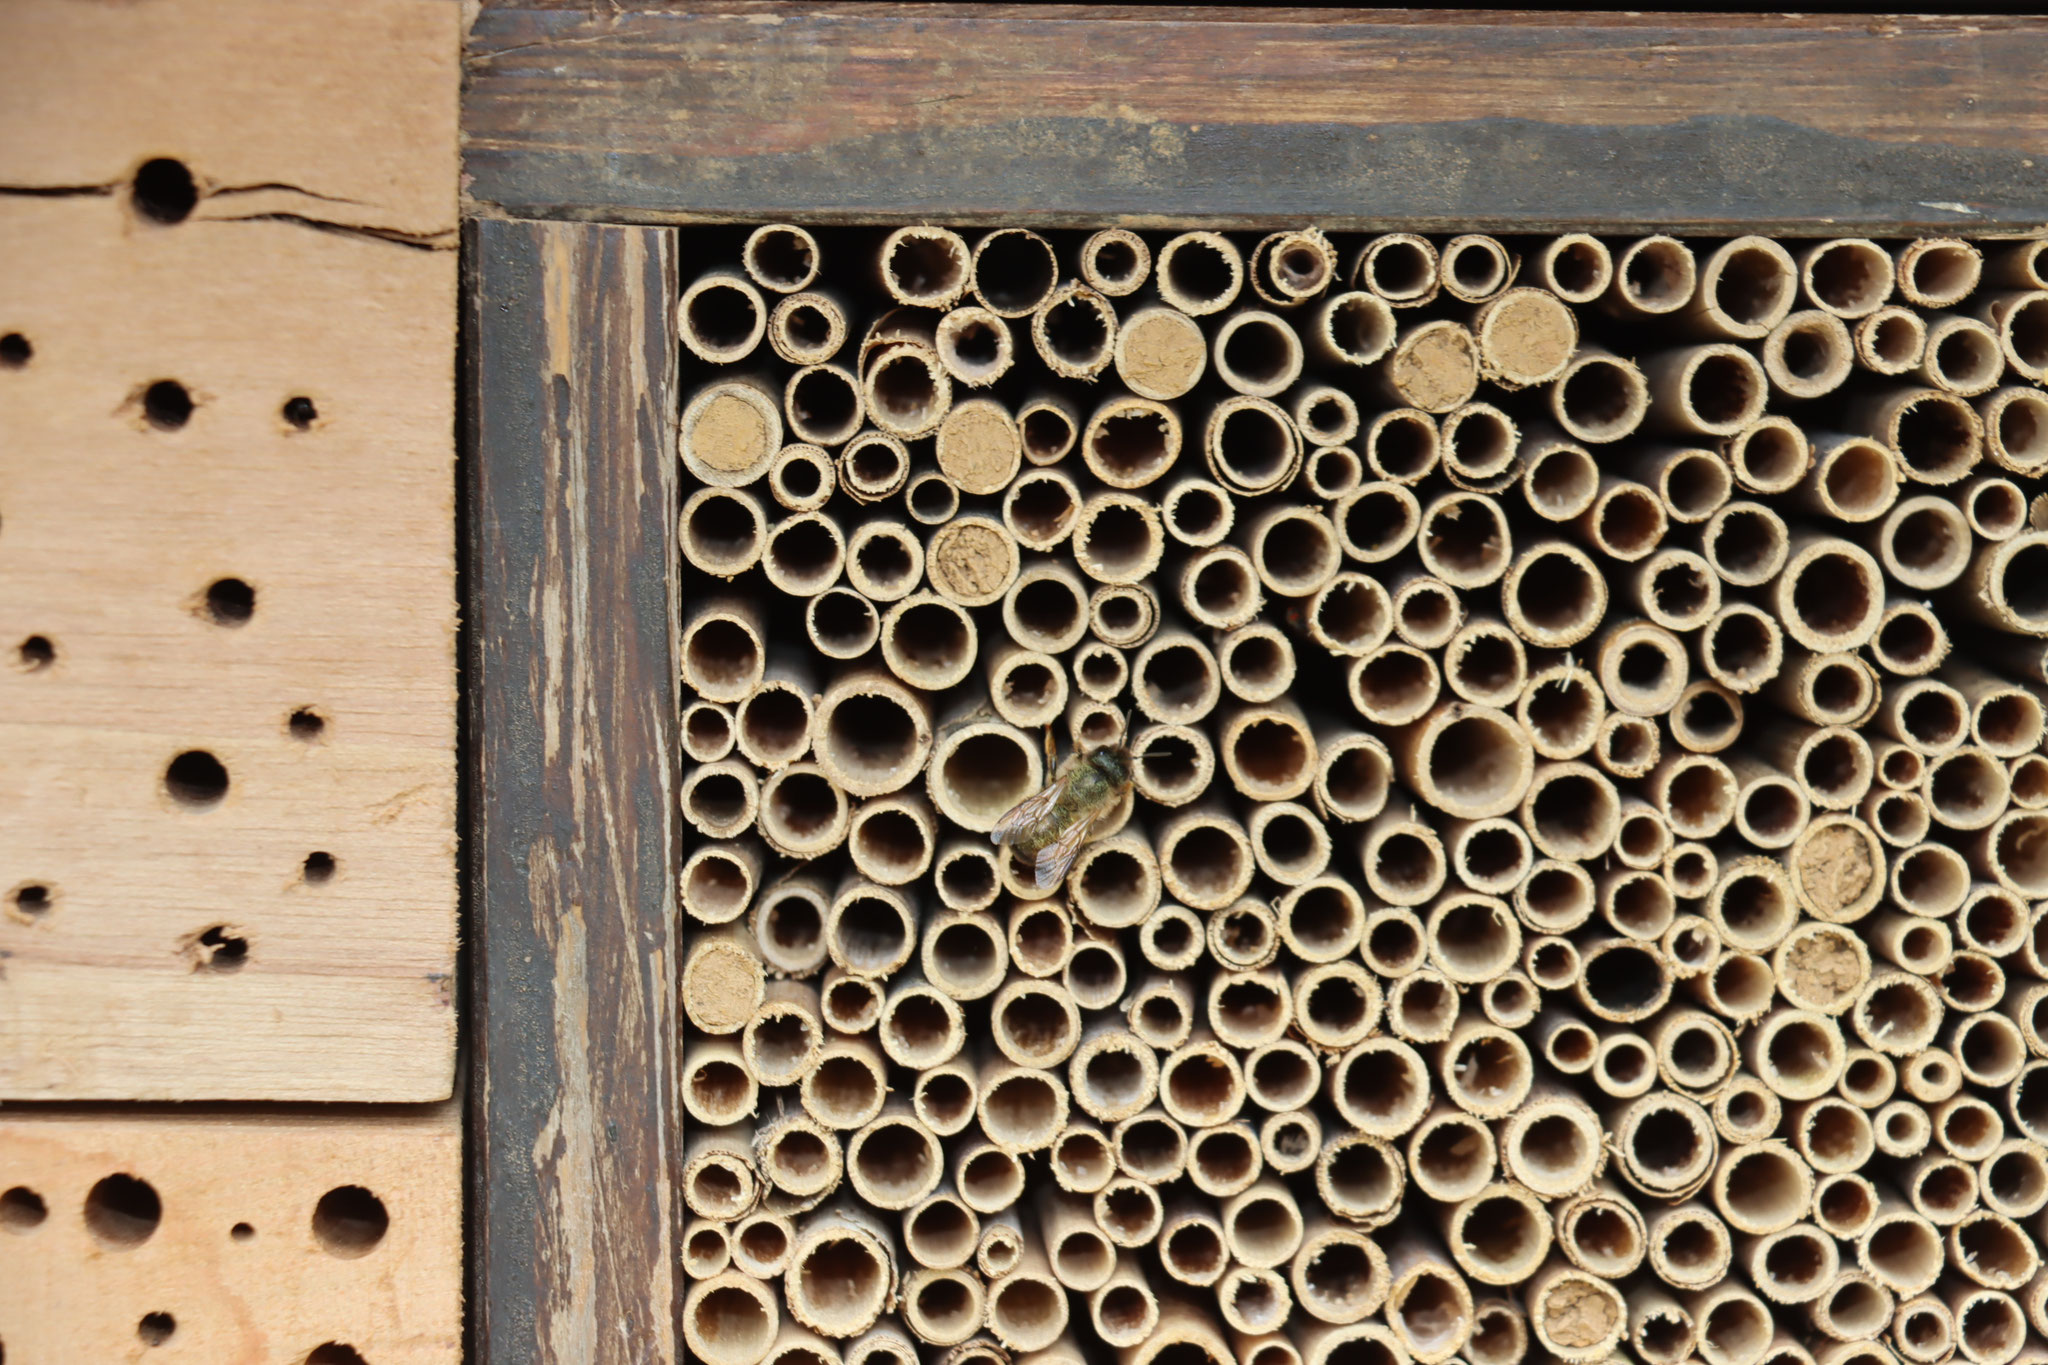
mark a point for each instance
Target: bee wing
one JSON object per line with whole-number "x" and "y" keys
{"x": 1056, "y": 857}
{"x": 1027, "y": 814}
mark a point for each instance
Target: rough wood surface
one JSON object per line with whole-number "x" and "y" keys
{"x": 245, "y": 1262}
{"x": 112, "y": 531}
{"x": 341, "y": 115}
{"x": 1057, "y": 115}
{"x": 573, "y": 710}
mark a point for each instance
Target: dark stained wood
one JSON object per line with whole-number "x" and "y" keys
{"x": 571, "y": 687}
{"x": 1353, "y": 119}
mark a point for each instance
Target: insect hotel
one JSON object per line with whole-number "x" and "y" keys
{"x": 1172, "y": 687}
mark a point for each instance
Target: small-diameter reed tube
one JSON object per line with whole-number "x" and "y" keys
{"x": 1848, "y": 277}
{"x": 1653, "y": 277}
{"x": 1399, "y": 267}
{"x": 2015, "y": 429}
{"x": 1809, "y": 354}
{"x": 1575, "y": 266}
{"x": 1013, "y": 270}
{"x": 1746, "y": 287}
{"x": 1890, "y": 341}
{"x": 1599, "y": 397}
{"x": 1938, "y": 435}
{"x": 1714, "y": 389}
{"x": 1199, "y": 272}
{"x": 1852, "y": 478}
{"x": 1116, "y": 262}
{"x": 807, "y": 328}
{"x": 1938, "y": 272}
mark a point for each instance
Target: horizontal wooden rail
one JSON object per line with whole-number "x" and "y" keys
{"x": 1500, "y": 121}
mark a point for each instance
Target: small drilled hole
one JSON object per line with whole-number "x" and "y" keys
{"x": 123, "y": 1211}
{"x": 36, "y": 652}
{"x": 230, "y": 601}
{"x": 164, "y": 191}
{"x": 167, "y": 404}
{"x": 33, "y": 899}
{"x": 319, "y": 867}
{"x": 22, "y": 1209}
{"x": 349, "y": 1221}
{"x": 155, "y": 1328}
{"x": 221, "y": 951}
{"x": 242, "y": 1232}
{"x": 306, "y": 724}
{"x": 300, "y": 413}
{"x": 15, "y": 351}
{"x": 335, "y": 1353}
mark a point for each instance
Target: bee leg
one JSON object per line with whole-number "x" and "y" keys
{"x": 1052, "y": 750}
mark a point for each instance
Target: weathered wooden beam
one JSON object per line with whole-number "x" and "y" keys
{"x": 572, "y": 496}
{"x": 1421, "y": 119}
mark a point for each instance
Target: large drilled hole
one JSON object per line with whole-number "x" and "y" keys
{"x": 164, "y": 191}
{"x": 167, "y": 405}
{"x": 123, "y": 1211}
{"x": 350, "y": 1221}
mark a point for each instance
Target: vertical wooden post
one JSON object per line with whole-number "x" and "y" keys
{"x": 571, "y": 359}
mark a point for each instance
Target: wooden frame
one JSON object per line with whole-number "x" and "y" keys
{"x": 1493, "y": 121}
{"x": 747, "y": 112}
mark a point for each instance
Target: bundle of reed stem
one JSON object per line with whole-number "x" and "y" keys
{"x": 1581, "y": 892}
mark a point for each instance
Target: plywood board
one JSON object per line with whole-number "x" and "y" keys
{"x": 119, "y": 979}
{"x": 244, "y": 1262}
{"x": 338, "y": 114}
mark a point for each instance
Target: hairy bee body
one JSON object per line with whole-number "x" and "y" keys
{"x": 1048, "y": 829}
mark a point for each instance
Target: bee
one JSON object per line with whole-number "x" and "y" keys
{"x": 1048, "y": 829}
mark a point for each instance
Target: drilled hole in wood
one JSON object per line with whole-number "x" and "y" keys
{"x": 33, "y": 899}
{"x": 319, "y": 867}
{"x": 122, "y": 1211}
{"x": 335, "y": 1353}
{"x": 300, "y": 413}
{"x": 163, "y": 191}
{"x": 219, "y": 949}
{"x": 196, "y": 778}
{"x": 350, "y": 1221}
{"x": 230, "y": 602}
{"x": 306, "y": 724}
{"x": 156, "y": 1328}
{"x": 167, "y": 405}
{"x": 15, "y": 351}
{"x": 22, "y": 1209}
{"x": 36, "y": 653}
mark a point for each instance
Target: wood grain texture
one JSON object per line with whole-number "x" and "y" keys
{"x": 1352, "y": 119}
{"x": 286, "y": 1286}
{"x": 572, "y": 685}
{"x": 112, "y": 529}
{"x": 340, "y": 115}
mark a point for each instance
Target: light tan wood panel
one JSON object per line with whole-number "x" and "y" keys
{"x": 274, "y": 1239}
{"x": 119, "y": 978}
{"x": 337, "y": 113}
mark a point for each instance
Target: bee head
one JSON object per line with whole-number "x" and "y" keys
{"x": 1112, "y": 761}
